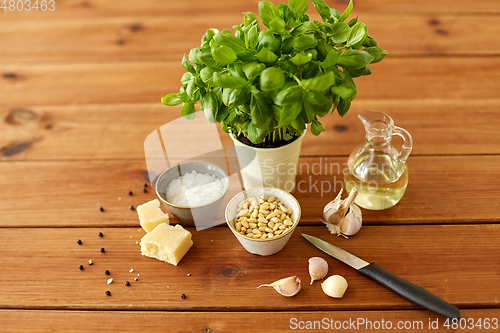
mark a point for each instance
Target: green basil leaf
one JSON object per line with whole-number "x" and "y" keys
{"x": 369, "y": 41}
{"x": 343, "y": 106}
{"x": 256, "y": 134}
{"x": 311, "y": 70}
{"x": 272, "y": 78}
{"x": 304, "y": 42}
{"x": 209, "y": 35}
{"x": 299, "y": 124}
{"x": 335, "y": 15}
{"x": 195, "y": 56}
{"x": 319, "y": 83}
{"x": 222, "y": 114}
{"x": 226, "y": 38}
{"x": 267, "y": 12}
{"x": 289, "y": 113}
{"x": 286, "y": 13}
{"x": 228, "y": 81}
{"x": 301, "y": 58}
{"x": 253, "y": 36}
{"x": 323, "y": 110}
{"x": 186, "y": 78}
{"x": 288, "y": 67}
{"x": 277, "y": 25}
{"x": 346, "y": 12}
{"x": 354, "y": 59}
{"x": 316, "y": 127}
{"x": 253, "y": 69}
{"x": 217, "y": 91}
{"x": 376, "y": 53}
{"x": 267, "y": 56}
{"x": 287, "y": 45}
{"x": 304, "y": 27}
{"x": 331, "y": 59}
{"x": 236, "y": 69}
{"x": 207, "y": 59}
{"x": 323, "y": 49}
{"x": 193, "y": 91}
{"x": 299, "y": 7}
{"x": 187, "y": 65}
{"x": 268, "y": 39}
{"x": 322, "y": 9}
{"x": 357, "y": 35}
{"x": 210, "y": 106}
{"x": 339, "y": 33}
{"x": 344, "y": 91}
{"x": 188, "y": 111}
{"x": 171, "y": 99}
{"x": 235, "y": 97}
{"x": 224, "y": 54}
{"x": 357, "y": 72}
{"x": 308, "y": 109}
{"x": 316, "y": 97}
{"x": 353, "y": 21}
{"x": 207, "y": 74}
{"x": 260, "y": 111}
{"x": 251, "y": 16}
{"x": 290, "y": 95}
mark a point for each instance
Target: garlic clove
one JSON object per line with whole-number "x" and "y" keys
{"x": 334, "y": 286}
{"x": 318, "y": 268}
{"x": 343, "y": 217}
{"x": 352, "y": 221}
{"x": 287, "y": 287}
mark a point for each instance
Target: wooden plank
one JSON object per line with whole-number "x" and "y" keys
{"x": 145, "y": 37}
{"x": 114, "y": 8}
{"x": 224, "y": 277}
{"x": 32, "y": 84}
{"x": 118, "y": 131}
{"x": 217, "y": 322}
{"x": 63, "y": 193}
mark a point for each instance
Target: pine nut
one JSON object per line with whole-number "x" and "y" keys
{"x": 257, "y": 236}
{"x": 269, "y": 230}
{"x": 262, "y": 228}
{"x": 261, "y": 224}
{"x": 244, "y": 223}
{"x": 275, "y": 219}
{"x": 245, "y": 206}
{"x": 276, "y": 211}
{"x": 272, "y": 206}
{"x": 270, "y": 235}
{"x": 282, "y": 226}
{"x": 271, "y": 224}
{"x": 287, "y": 222}
{"x": 242, "y": 212}
{"x": 271, "y": 199}
{"x": 256, "y": 231}
{"x": 263, "y": 236}
{"x": 277, "y": 232}
{"x": 238, "y": 226}
{"x": 276, "y": 226}
{"x": 255, "y": 214}
{"x": 262, "y": 220}
{"x": 252, "y": 225}
{"x": 241, "y": 204}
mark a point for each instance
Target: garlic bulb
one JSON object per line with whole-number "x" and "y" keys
{"x": 334, "y": 286}
{"x": 318, "y": 268}
{"x": 343, "y": 217}
{"x": 288, "y": 287}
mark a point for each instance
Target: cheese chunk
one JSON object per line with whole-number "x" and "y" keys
{"x": 166, "y": 243}
{"x": 151, "y": 215}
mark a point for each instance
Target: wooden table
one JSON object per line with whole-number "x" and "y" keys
{"x": 80, "y": 90}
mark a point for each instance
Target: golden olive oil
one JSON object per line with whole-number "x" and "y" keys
{"x": 377, "y": 184}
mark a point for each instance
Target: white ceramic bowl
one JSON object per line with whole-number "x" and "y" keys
{"x": 268, "y": 246}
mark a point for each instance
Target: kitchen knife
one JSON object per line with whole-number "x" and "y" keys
{"x": 401, "y": 287}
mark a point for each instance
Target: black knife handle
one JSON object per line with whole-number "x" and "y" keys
{"x": 410, "y": 291}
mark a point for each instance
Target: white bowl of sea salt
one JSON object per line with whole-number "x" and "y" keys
{"x": 193, "y": 191}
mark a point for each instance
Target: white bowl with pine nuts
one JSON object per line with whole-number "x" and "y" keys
{"x": 263, "y": 219}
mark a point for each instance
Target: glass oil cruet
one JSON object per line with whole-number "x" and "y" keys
{"x": 376, "y": 168}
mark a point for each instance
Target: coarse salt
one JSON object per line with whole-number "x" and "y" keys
{"x": 194, "y": 189}
{"x": 110, "y": 280}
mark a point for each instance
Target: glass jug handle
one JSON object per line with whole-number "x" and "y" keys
{"x": 407, "y": 144}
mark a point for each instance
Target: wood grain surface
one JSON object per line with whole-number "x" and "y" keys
{"x": 224, "y": 276}
{"x": 80, "y": 91}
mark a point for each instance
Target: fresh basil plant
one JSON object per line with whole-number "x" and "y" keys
{"x": 266, "y": 85}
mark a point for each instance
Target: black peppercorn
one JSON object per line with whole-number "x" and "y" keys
{"x": 80, "y": 267}
{"x": 145, "y": 185}
{"x": 127, "y": 283}
{"x": 101, "y": 209}
{"x": 130, "y": 193}
{"x": 108, "y": 293}
{"x": 102, "y": 250}
{"x": 144, "y": 190}
{"x": 106, "y": 272}
{"x": 100, "y": 234}
{"x": 131, "y": 207}
{"x": 79, "y": 241}
{"x": 183, "y": 296}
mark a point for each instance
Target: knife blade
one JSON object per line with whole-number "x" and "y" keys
{"x": 408, "y": 290}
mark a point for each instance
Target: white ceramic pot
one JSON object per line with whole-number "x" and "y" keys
{"x": 273, "y": 167}
{"x": 267, "y": 246}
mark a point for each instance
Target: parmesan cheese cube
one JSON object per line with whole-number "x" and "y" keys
{"x": 151, "y": 215}
{"x": 166, "y": 243}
